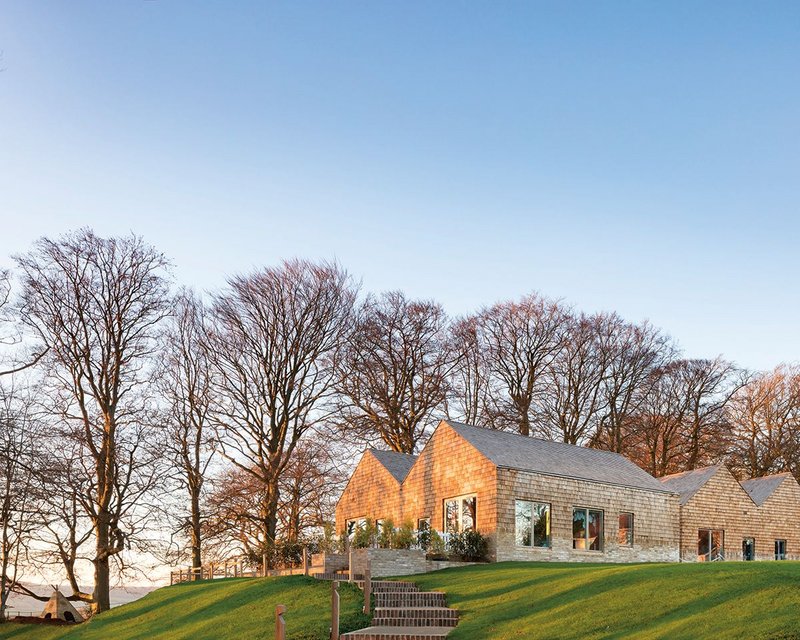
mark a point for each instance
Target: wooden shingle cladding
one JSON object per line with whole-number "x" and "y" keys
{"x": 450, "y": 465}
{"x": 717, "y": 501}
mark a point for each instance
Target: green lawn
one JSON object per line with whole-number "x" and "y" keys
{"x": 242, "y": 608}
{"x": 752, "y": 600}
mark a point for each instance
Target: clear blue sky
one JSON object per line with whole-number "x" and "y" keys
{"x": 634, "y": 156}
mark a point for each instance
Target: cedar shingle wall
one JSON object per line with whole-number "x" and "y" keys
{"x": 372, "y": 492}
{"x": 655, "y": 519}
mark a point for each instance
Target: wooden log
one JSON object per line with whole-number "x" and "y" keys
{"x": 335, "y": 610}
{"x": 280, "y": 624}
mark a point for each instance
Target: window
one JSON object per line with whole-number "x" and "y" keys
{"x": 532, "y": 523}
{"x": 749, "y": 549}
{"x": 460, "y": 514}
{"x": 625, "y": 533}
{"x": 709, "y": 545}
{"x": 587, "y": 529}
{"x": 354, "y": 525}
{"x": 423, "y": 524}
{"x": 780, "y": 549}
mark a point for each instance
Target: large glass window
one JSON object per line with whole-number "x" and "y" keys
{"x": 749, "y": 549}
{"x": 587, "y": 529}
{"x": 532, "y": 523}
{"x": 354, "y": 525}
{"x": 709, "y": 545}
{"x": 625, "y": 533}
{"x": 780, "y": 549}
{"x": 460, "y": 514}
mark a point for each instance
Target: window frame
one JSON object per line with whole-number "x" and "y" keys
{"x": 460, "y": 501}
{"x": 631, "y": 529}
{"x": 782, "y": 555}
{"x": 600, "y": 537}
{"x": 549, "y": 539}
{"x": 710, "y": 536}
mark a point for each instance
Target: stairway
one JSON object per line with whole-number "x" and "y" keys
{"x": 403, "y": 612}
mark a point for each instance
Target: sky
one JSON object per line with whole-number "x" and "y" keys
{"x": 637, "y": 157}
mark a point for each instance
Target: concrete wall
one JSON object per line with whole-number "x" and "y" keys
{"x": 656, "y": 517}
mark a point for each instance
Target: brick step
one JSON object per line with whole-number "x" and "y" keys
{"x": 415, "y": 617}
{"x": 410, "y": 599}
{"x": 342, "y": 577}
{"x": 398, "y": 633}
{"x": 386, "y": 586}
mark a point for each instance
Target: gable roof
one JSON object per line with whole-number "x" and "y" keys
{"x": 689, "y": 482}
{"x": 398, "y": 464}
{"x": 759, "y": 489}
{"x": 513, "y": 451}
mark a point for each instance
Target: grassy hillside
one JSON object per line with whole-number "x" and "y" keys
{"x": 756, "y": 600}
{"x": 241, "y": 608}
{"x": 753, "y": 600}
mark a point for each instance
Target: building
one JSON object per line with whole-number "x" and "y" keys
{"x": 533, "y": 499}
{"x": 722, "y": 519}
{"x": 541, "y": 500}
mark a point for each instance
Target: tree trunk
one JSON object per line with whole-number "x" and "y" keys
{"x": 196, "y": 555}
{"x": 102, "y": 588}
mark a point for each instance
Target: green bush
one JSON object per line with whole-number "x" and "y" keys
{"x": 365, "y": 536}
{"x": 404, "y": 536}
{"x": 469, "y": 546}
{"x": 386, "y": 534}
{"x": 436, "y": 548}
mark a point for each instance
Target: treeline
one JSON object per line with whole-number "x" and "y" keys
{"x": 137, "y": 417}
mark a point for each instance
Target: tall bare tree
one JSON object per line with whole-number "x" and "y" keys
{"x": 272, "y": 338}
{"x": 393, "y": 371}
{"x": 185, "y": 386}
{"x": 472, "y": 399}
{"x": 20, "y": 498}
{"x": 95, "y": 303}
{"x": 522, "y": 339}
{"x": 635, "y": 352}
{"x": 765, "y": 418}
{"x": 573, "y": 399}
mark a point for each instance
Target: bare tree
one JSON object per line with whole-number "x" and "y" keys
{"x": 765, "y": 418}
{"x": 272, "y": 337}
{"x": 573, "y": 400}
{"x": 20, "y": 499}
{"x": 472, "y": 398}
{"x": 94, "y": 304}
{"x": 635, "y": 352}
{"x": 185, "y": 386}
{"x": 522, "y": 339}
{"x": 393, "y": 371}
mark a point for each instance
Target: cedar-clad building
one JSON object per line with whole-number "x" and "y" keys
{"x": 541, "y": 500}
{"x": 533, "y": 499}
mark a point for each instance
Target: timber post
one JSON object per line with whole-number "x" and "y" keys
{"x": 305, "y": 561}
{"x": 350, "y": 564}
{"x": 334, "y": 610}
{"x": 280, "y": 624}
{"x": 367, "y": 588}
{"x": 264, "y": 564}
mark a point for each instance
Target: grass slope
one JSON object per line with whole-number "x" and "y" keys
{"x": 753, "y": 600}
{"x": 241, "y": 608}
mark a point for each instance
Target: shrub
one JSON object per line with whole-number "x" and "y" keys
{"x": 404, "y": 536}
{"x": 386, "y": 534}
{"x": 365, "y": 536}
{"x": 469, "y": 546}
{"x": 436, "y": 548}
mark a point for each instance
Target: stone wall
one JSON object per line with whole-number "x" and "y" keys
{"x": 329, "y": 562}
{"x": 655, "y": 524}
{"x": 398, "y": 562}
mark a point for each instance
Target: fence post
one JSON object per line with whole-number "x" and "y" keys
{"x": 264, "y": 563}
{"x": 280, "y": 625}
{"x": 211, "y": 570}
{"x": 335, "y": 610}
{"x": 350, "y": 564}
{"x": 367, "y": 587}
{"x": 305, "y": 561}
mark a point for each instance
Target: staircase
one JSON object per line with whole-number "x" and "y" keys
{"x": 403, "y": 612}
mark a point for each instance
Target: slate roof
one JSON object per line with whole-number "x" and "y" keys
{"x": 398, "y": 464}
{"x": 760, "y": 489}
{"x": 513, "y": 451}
{"x": 689, "y": 482}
